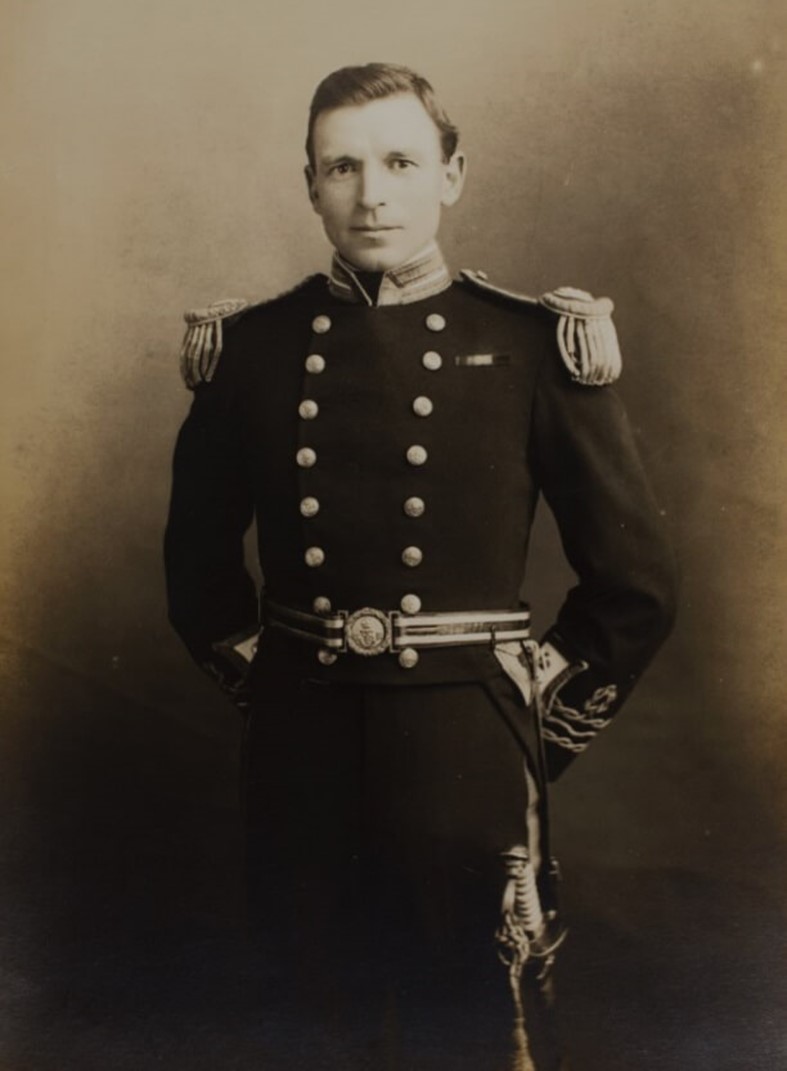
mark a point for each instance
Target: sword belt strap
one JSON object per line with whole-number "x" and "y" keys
{"x": 369, "y": 631}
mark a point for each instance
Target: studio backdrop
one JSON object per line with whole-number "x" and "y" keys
{"x": 153, "y": 159}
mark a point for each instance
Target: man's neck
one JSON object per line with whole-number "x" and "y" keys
{"x": 420, "y": 277}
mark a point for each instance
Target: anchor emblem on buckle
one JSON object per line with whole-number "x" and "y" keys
{"x": 368, "y": 631}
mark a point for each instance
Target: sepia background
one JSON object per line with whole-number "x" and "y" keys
{"x": 152, "y": 160}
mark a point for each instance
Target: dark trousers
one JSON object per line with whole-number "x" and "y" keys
{"x": 376, "y": 820}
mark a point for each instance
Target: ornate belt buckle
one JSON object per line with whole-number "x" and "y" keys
{"x": 368, "y": 632}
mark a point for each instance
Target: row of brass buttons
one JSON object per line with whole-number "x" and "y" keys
{"x": 315, "y": 362}
{"x": 322, "y": 324}
{"x": 409, "y": 604}
{"x": 413, "y": 506}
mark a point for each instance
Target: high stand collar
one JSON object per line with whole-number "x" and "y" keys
{"x": 425, "y": 275}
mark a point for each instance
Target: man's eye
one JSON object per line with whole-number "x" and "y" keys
{"x": 344, "y": 168}
{"x": 401, "y": 164}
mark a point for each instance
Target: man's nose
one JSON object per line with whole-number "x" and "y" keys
{"x": 372, "y": 188}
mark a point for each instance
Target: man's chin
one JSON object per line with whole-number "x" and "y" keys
{"x": 377, "y": 260}
{"x": 374, "y": 263}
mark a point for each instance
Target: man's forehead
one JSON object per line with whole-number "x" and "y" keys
{"x": 398, "y": 118}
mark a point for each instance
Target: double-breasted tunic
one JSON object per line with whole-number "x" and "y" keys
{"x": 393, "y": 456}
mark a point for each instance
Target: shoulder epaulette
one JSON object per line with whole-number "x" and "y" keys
{"x": 586, "y": 336}
{"x": 204, "y": 338}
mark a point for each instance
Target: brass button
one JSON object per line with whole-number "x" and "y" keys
{"x": 308, "y": 409}
{"x": 412, "y": 556}
{"x": 417, "y": 455}
{"x": 414, "y": 507}
{"x": 434, "y": 321}
{"x": 423, "y": 406}
{"x": 408, "y": 658}
{"x": 315, "y": 363}
{"x": 321, "y": 605}
{"x": 314, "y": 556}
{"x": 321, "y": 324}
{"x": 432, "y": 361}
{"x": 310, "y": 506}
{"x": 327, "y": 658}
{"x": 306, "y": 457}
{"x": 410, "y": 604}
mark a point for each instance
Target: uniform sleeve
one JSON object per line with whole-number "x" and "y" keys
{"x": 212, "y": 598}
{"x": 622, "y": 608}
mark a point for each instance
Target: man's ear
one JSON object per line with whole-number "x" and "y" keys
{"x": 311, "y": 187}
{"x": 454, "y": 179}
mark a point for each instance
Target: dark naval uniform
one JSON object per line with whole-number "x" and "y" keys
{"x": 392, "y": 448}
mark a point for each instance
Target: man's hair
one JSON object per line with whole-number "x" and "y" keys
{"x": 375, "y": 81}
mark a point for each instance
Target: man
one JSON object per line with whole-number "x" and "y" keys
{"x": 391, "y": 431}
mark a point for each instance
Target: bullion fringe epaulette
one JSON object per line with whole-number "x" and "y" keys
{"x": 586, "y": 337}
{"x": 203, "y": 341}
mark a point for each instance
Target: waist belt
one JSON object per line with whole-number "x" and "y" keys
{"x": 369, "y": 631}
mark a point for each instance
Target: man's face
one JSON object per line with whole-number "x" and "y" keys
{"x": 379, "y": 180}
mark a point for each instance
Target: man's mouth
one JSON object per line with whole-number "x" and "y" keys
{"x": 374, "y": 229}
